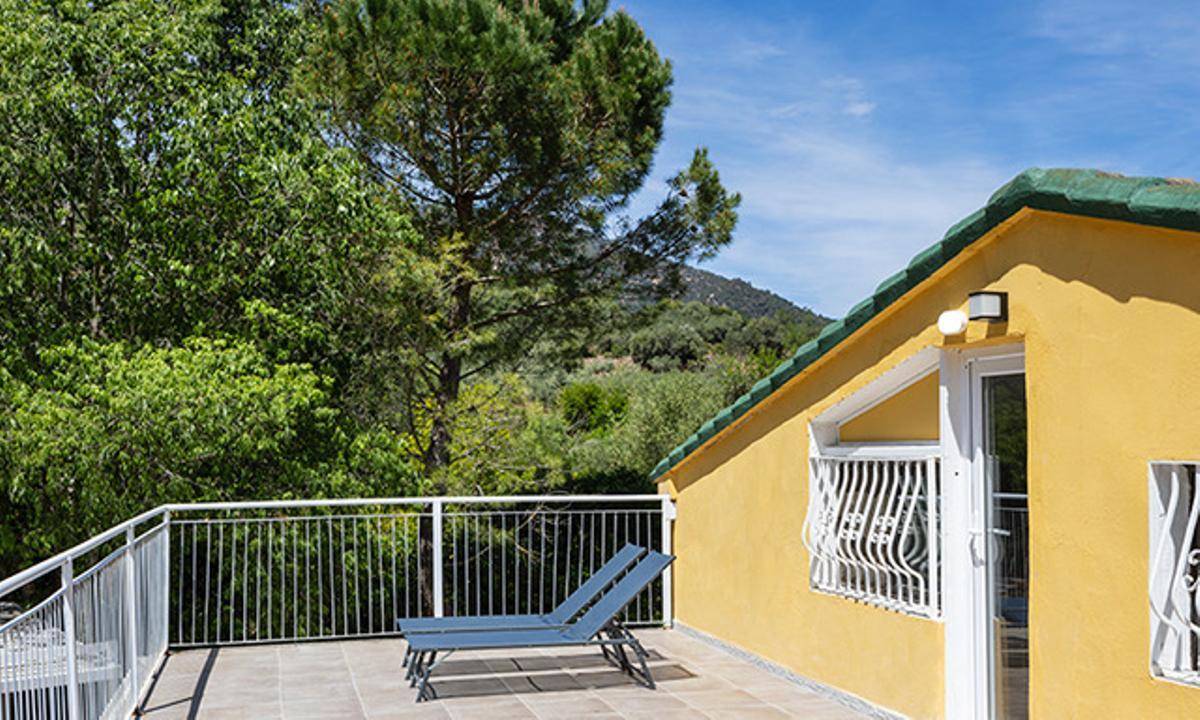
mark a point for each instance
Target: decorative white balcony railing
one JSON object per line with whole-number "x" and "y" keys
{"x": 873, "y": 530}
{"x": 1175, "y": 571}
{"x": 236, "y": 573}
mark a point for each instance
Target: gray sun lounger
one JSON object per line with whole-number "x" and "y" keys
{"x": 598, "y": 627}
{"x": 559, "y": 616}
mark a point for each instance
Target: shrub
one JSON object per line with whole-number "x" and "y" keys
{"x": 589, "y": 408}
{"x": 663, "y": 347}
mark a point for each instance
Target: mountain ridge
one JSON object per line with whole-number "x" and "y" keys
{"x": 737, "y": 294}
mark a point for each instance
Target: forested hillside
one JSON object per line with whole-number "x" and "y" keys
{"x": 737, "y": 294}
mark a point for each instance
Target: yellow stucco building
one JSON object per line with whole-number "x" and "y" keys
{"x": 976, "y": 495}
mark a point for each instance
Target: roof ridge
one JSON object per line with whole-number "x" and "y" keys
{"x": 1162, "y": 202}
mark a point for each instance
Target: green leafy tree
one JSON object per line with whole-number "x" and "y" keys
{"x": 667, "y": 346}
{"x": 107, "y": 431}
{"x": 713, "y": 322}
{"x": 664, "y": 408}
{"x": 504, "y": 441}
{"x": 587, "y": 407}
{"x": 162, "y": 184}
{"x": 516, "y": 134}
{"x": 160, "y": 180}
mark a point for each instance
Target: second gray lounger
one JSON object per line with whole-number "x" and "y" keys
{"x": 598, "y": 627}
{"x": 561, "y": 615}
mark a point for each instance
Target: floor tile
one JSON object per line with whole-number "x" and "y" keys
{"x": 363, "y": 679}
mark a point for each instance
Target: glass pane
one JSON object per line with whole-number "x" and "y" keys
{"x": 1005, "y": 449}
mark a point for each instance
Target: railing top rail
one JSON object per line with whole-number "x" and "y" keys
{"x": 424, "y": 500}
{"x": 883, "y": 454}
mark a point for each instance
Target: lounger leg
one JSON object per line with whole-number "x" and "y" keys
{"x": 623, "y": 638}
{"x": 407, "y": 654}
{"x": 622, "y": 657}
{"x": 414, "y": 668}
{"x": 410, "y": 661}
{"x": 638, "y": 650}
{"x": 612, "y": 650}
{"x": 424, "y": 684}
{"x": 426, "y": 668}
{"x": 610, "y": 655}
{"x": 424, "y": 688}
{"x": 616, "y": 633}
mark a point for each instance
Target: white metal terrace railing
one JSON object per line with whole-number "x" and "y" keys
{"x": 873, "y": 530}
{"x": 86, "y": 648}
{"x": 236, "y": 573}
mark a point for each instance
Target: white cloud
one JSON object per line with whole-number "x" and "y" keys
{"x": 823, "y": 226}
{"x": 852, "y": 159}
{"x": 853, "y": 92}
{"x": 750, "y": 51}
{"x": 1166, "y": 29}
{"x": 830, "y": 207}
{"x": 859, "y": 108}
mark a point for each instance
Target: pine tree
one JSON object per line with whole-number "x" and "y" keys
{"x": 517, "y": 132}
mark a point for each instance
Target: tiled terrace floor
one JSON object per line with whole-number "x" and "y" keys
{"x": 362, "y": 679}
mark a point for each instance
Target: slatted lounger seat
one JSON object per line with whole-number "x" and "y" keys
{"x": 561, "y": 615}
{"x": 598, "y": 627}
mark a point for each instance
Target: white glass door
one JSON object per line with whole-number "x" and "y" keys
{"x": 1001, "y": 538}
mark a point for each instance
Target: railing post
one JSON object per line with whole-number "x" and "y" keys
{"x": 668, "y": 599}
{"x": 438, "y": 605}
{"x": 166, "y": 587}
{"x": 68, "y": 585}
{"x": 933, "y": 538}
{"x": 131, "y": 613}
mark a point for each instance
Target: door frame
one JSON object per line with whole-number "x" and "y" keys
{"x": 966, "y": 591}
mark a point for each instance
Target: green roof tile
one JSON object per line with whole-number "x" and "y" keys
{"x": 1091, "y": 193}
{"x": 742, "y": 404}
{"x": 807, "y": 352}
{"x": 924, "y": 263}
{"x": 891, "y": 289}
{"x": 784, "y": 372}
{"x": 832, "y": 334}
{"x": 761, "y": 389}
{"x": 861, "y": 313}
{"x": 963, "y": 233}
{"x": 1172, "y": 205}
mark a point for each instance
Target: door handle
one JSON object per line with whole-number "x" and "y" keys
{"x": 977, "y": 557}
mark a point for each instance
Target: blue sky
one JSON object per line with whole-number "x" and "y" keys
{"x": 857, "y": 132}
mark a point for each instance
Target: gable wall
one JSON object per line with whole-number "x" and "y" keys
{"x": 911, "y": 414}
{"x": 1110, "y": 316}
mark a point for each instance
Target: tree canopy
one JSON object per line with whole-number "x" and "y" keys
{"x": 516, "y": 134}
{"x": 193, "y": 282}
{"x": 255, "y": 249}
{"x": 161, "y": 181}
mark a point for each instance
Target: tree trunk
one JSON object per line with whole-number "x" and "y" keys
{"x": 437, "y": 456}
{"x": 425, "y": 548}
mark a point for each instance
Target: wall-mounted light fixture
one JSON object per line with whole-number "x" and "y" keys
{"x": 952, "y": 322}
{"x": 988, "y": 305}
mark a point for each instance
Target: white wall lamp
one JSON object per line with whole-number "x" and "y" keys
{"x": 952, "y": 322}
{"x": 988, "y": 305}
